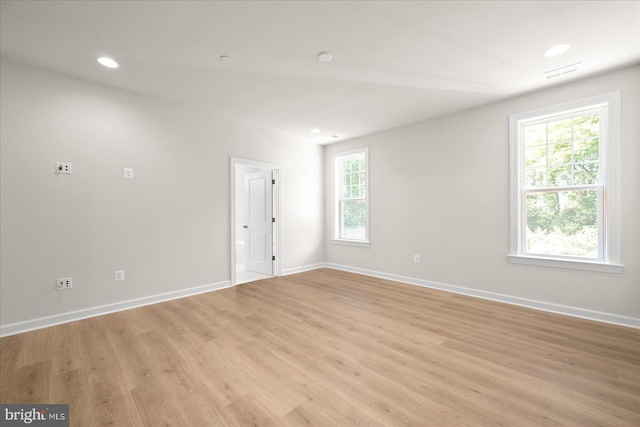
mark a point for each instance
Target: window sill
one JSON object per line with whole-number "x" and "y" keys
{"x": 564, "y": 263}
{"x": 362, "y": 243}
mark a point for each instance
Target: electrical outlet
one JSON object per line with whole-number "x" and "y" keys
{"x": 119, "y": 275}
{"x": 306, "y": 250}
{"x": 416, "y": 259}
{"x": 64, "y": 283}
{"x": 63, "y": 167}
{"x": 128, "y": 173}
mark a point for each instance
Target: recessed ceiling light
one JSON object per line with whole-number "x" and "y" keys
{"x": 557, "y": 50}
{"x": 324, "y": 56}
{"x": 108, "y": 62}
{"x": 315, "y": 130}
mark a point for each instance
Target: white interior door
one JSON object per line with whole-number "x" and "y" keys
{"x": 258, "y": 227}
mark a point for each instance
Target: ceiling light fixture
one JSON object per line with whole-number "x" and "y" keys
{"x": 107, "y": 62}
{"x": 557, "y": 50}
{"x": 324, "y": 56}
{"x": 315, "y": 130}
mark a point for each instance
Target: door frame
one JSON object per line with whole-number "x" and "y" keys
{"x": 277, "y": 210}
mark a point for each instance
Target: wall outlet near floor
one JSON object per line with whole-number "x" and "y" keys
{"x": 119, "y": 275}
{"x": 63, "y": 167}
{"x": 306, "y": 250}
{"x": 128, "y": 173}
{"x": 416, "y": 259}
{"x": 64, "y": 283}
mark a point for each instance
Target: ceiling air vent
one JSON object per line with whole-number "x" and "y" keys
{"x": 562, "y": 71}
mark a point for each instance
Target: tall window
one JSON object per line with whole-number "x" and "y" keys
{"x": 564, "y": 163}
{"x": 351, "y": 196}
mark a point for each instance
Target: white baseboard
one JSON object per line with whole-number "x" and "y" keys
{"x": 598, "y": 316}
{"x": 57, "y": 319}
{"x": 72, "y": 316}
{"x": 303, "y": 268}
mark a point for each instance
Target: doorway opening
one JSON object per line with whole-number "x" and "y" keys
{"x": 255, "y": 221}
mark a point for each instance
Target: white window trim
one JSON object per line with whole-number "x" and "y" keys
{"x": 336, "y": 190}
{"x": 611, "y": 205}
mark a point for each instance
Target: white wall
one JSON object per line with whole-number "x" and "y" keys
{"x": 440, "y": 189}
{"x": 168, "y": 228}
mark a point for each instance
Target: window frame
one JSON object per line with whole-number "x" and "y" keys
{"x": 608, "y": 188}
{"x": 337, "y": 179}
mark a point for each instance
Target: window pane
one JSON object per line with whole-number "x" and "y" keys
{"x": 559, "y": 131}
{"x": 355, "y": 192}
{"x": 347, "y": 167}
{"x": 560, "y": 176}
{"x": 586, "y": 149}
{"x": 586, "y": 126}
{"x": 346, "y": 180}
{"x": 560, "y": 153}
{"x": 535, "y": 156}
{"x": 535, "y": 135}
{"x": 562, "y": 223}
{"x": 353, "y": 219}
{"x": 586, "y": 173}
{"x": 535, "y": 177}
{"x": 355, "y": 178}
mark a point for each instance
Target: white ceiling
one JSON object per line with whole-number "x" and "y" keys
{"x": 393, "y": 63}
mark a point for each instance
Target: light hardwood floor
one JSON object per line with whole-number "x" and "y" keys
{"x": 329, "y": 348}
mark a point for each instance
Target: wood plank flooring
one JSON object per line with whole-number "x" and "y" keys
{"x": 329, "y": 348}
